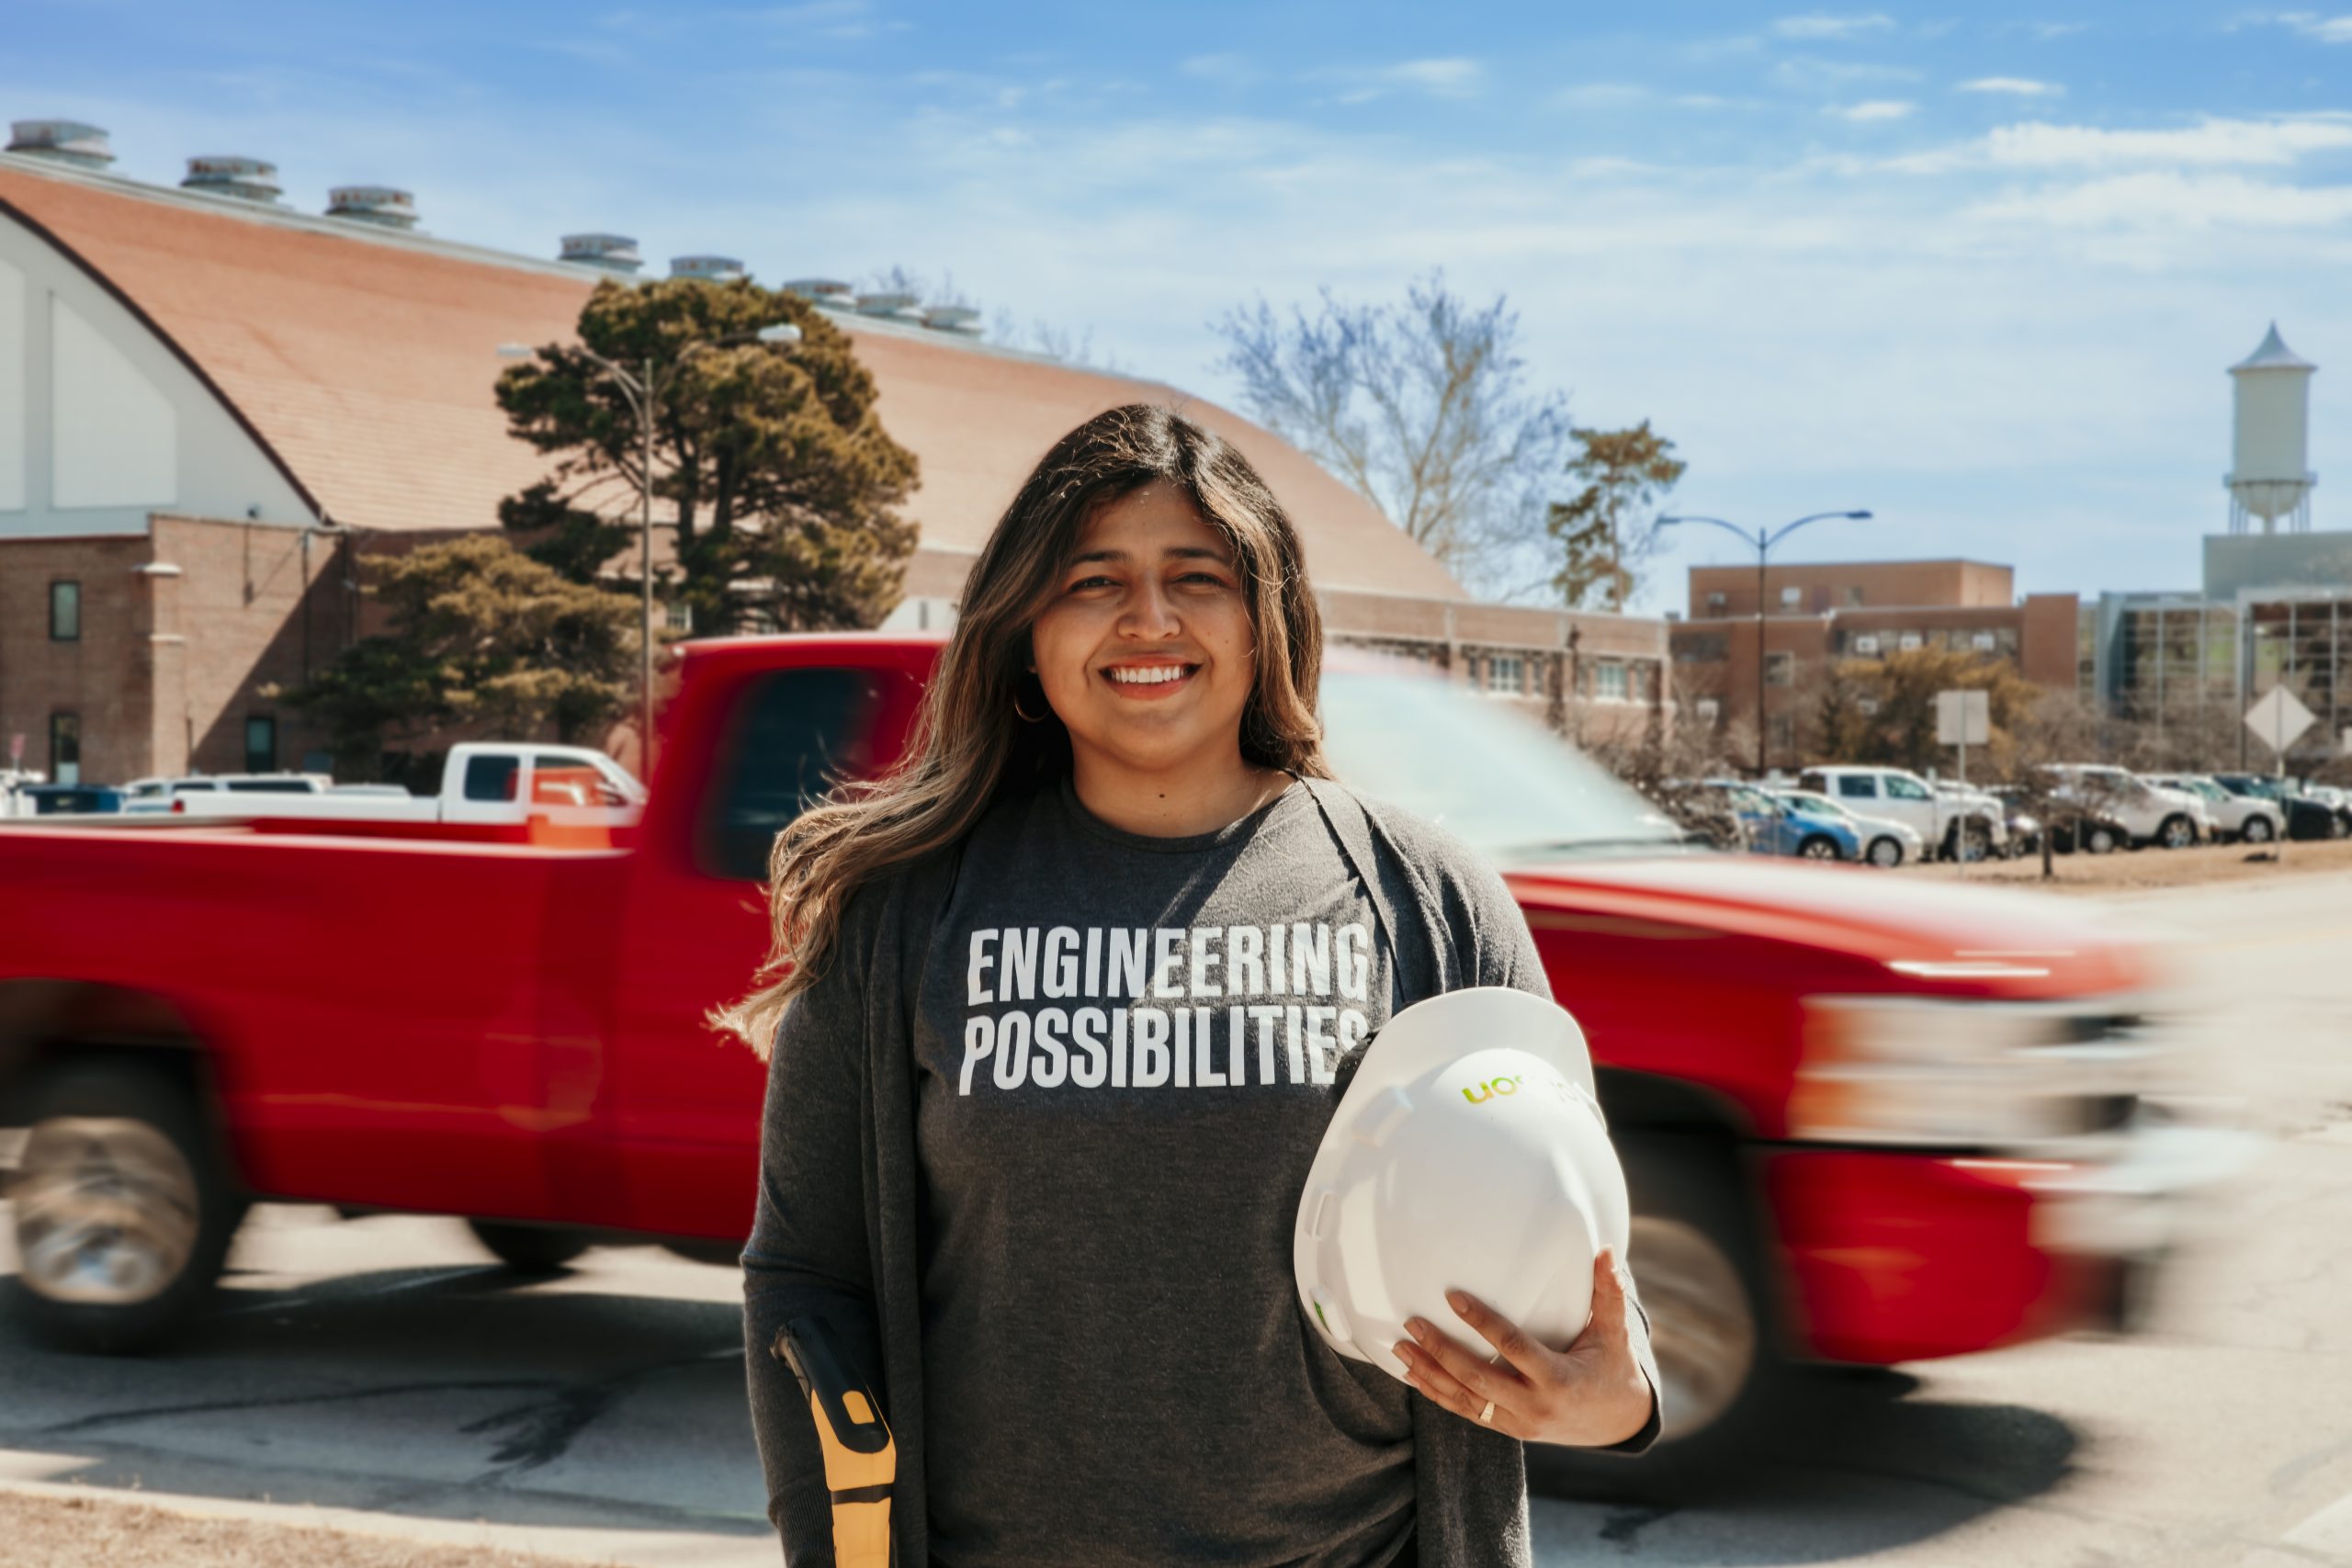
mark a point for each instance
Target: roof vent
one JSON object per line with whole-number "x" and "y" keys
{"x": 614, "y": 252}
{"x": 829, "y": 292}
{"x": 248, "y": 179}
{"x": 66, "y": 141}
{"x": 960, "y": 319}
{"x": 380, "y": 205}
{"x": 890, "y": 304}
{"x": 710, "y": 269}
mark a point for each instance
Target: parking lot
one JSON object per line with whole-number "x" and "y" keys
{"x": 383, "y": 1365}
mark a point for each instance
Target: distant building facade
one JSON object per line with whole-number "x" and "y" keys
{"x": 2274, "y": 607}
{"x": 1819, "y": 614}
{"x": 214, "y": 409}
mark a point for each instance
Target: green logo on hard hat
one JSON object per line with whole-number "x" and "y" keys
{"x": 1491, "y": 1088}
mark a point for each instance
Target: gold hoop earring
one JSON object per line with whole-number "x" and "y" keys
{"x": 1026, "y": 716}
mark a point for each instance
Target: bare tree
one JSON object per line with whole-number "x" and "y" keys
{"x": 1423, "y": 406}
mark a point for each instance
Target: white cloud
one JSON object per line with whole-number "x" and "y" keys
{"x": 1446, "y": 77}
{"x": 2210, "y": 144}
{"x": 2014, "y": 86}
{"x": 1821, "y": 25}
{"x": 2169, "y": 200}
{"x": 2311, "y": 24}
{"x": 1599, "y": 96}
{"x": 1874, "y": 109}
{"x": 1804, "y": 75}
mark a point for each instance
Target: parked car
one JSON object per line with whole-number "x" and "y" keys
{"x": 2112, "y": 799}
{"x": 1849, "y": 1134}
{"x": 2306, "y": 818}
{"x": 151, "y": 796}
{"x": 1887, "y": 843}
{"x": 1973, "y": 827}
{"x": 2333, "y": 799}
{"x": 1775, "y": 826}
{"x": 70, "y": 800}
{"x": 2024, "y": 827}
{"x": 2243, "y": 816}
{"x": 500, "y": 783}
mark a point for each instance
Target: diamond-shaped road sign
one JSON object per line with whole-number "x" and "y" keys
{"x": 2279, "y": 720}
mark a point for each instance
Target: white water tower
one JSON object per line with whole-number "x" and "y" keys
{"x": 2270, "y": 475}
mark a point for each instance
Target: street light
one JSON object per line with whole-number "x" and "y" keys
{"x": 1763, "y": 541}
{"x": 644, "y": 393}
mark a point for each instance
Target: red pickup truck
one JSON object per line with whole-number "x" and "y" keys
{"x": 1865, "y": 1119}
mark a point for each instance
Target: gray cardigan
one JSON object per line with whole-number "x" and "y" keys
{"x": 836, "y": 1234}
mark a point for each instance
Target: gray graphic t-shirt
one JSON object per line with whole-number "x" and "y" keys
{"x": 1127, "y": 1052}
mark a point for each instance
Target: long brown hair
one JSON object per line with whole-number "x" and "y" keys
{"x": 971, "y": 745}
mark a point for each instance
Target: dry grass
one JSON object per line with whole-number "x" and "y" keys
{"x": 2155, "y": 868}
{"x": 85, "y": 1532}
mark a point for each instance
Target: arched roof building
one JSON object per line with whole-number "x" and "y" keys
{"x": 206, "y": 400}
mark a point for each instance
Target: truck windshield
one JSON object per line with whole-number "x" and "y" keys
{"x": 1493, "y": 777}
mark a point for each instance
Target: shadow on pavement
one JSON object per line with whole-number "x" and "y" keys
{"x": 470, "y": 1392}
{"x": 1856, "y": 1465}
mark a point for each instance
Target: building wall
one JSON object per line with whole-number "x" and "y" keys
{"x": 1826, "y": 586}
{"x": 101, "y": 424}
{"x": 181, "y": 629}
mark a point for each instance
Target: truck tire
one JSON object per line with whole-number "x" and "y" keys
{"x": 1698, "y": 1259}
{"x": 2176, "y": 832}
{"x": 1972, "y": 841}
{"x": 123, "y": 1208}
{"x": 2100, "y": 838}
{"x": 529, "y": 1250}
{"x": 1885, "y": 853}
{"x": 2257, "y": 830}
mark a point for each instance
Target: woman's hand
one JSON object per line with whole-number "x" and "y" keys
{"x": 1589, "y": 1395}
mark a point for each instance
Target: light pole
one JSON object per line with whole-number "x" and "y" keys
{"x": 643, "y": 390}
{"x": 1763, "y": 541}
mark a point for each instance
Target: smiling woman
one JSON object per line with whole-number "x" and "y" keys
{"x": 1066, "y": 1002}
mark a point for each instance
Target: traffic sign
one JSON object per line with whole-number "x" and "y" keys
{"x": 1963, "y": 719}
{"x": 2279, "y": 720}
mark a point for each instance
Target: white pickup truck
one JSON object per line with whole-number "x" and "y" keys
{"x": 497, "y": 781}
{"x": 1974, "y": 826}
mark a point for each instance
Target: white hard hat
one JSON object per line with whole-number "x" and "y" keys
{"x": 1468, "y": 1153}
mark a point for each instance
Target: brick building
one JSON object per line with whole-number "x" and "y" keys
{"x": 213, "y": 408}
{"x": 1818, "y": 615}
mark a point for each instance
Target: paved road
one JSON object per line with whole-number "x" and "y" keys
{"x": 384, "y": 1364}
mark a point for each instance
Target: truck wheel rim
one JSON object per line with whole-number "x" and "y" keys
{"x": 1702, "y": 1324}
{"x": 107, "y": 1211}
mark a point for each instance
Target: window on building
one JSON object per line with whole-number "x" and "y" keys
{"x": 1981, "y": 641}
{"x": 1780, "y": 669}
{"x": 1853, "y": 595}
{"x": 1710, "y": 712}
{"x": 1909, "y": 641}
{"x": 1792, "y": 598}
{"x": 1609, "y": 682}
{"x": 1717, "y": 602}
{"x": 1506, "y": 674}
{"x": 1866, "y": 707}
{"x": 65, "y": 612}
{"x": 1784, "y": 732}
{"x": 679, "y": 616}
{"x": 1866, "y": 643}
{"x": 260, "y": 743}
{"x": 65, "y": 748}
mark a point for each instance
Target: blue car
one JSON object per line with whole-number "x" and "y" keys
{"x": 1774, "y": 826}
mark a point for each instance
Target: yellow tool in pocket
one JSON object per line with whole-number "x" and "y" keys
{"x": 861, "y": 1461}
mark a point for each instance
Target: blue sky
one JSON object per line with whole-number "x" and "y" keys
{"x": 1977, "y": 268}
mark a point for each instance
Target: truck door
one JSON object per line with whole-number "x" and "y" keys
{"x": 687, "y": 1110}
